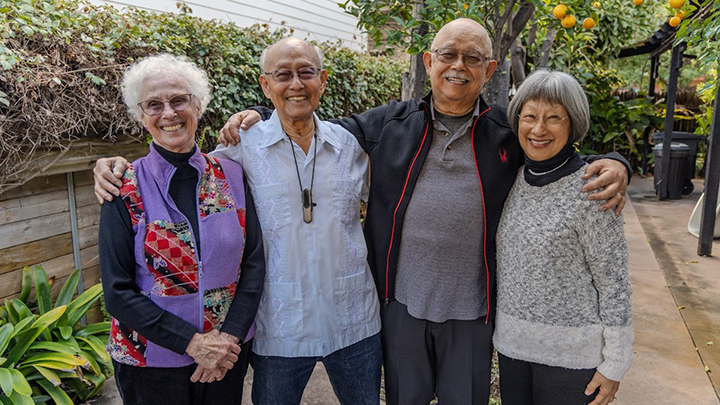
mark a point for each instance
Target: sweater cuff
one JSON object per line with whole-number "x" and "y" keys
{"x": 618, "y": 352}
{"x": 183, "y": 339}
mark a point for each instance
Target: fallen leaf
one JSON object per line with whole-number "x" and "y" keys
{"x": 693, "y": 261}
{"x": 710, "y": 343}
{"x": 681, "y": 307}
{"x": 707, "y": 369}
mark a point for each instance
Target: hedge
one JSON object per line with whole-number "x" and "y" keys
{"x": 62, "y": 61}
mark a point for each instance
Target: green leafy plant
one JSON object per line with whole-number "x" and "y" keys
{"x": 61, "y": 62}
{"x": 45, "y": 355}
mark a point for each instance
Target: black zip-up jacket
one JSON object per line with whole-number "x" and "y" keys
{"x": 397, "y": 138}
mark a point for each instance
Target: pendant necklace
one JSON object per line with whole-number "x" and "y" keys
{"x": 307, "y": 200}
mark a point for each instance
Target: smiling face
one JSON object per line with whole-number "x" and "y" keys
{"x": 541, "y": 141}
{"x": 295, "y": 100}
{"x": 456, "y": 86}
{"x": 172, "y": 130}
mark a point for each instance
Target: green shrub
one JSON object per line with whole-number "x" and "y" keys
{"x": 62, "y": 62}
{"x": 45, "y": 355}
{"x": 616, "y": 126}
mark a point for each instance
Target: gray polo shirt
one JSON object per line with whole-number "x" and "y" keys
{"x": 440, "y": 268}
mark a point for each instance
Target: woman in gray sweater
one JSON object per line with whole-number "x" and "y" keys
{"x": 564, "y": 321}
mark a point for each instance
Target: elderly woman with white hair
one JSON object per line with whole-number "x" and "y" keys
{"x": 564, "y": 321}
{"x": 181, "y": 253}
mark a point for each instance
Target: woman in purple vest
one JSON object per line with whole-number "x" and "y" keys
{"x": 181, "y": 254}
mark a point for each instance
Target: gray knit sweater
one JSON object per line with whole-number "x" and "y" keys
{"x": 563, "y": 285}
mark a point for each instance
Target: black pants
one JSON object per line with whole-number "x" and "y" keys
{"x": 172, "y": 386}
{"x": 422, "y": 359}
{"x": 525, "y": 383}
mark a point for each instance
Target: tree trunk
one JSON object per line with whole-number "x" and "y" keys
{"x": 496, "y": 89}
{"x": 517, "y": 59}
{"x": 546, "y": 46}
{"x": 414, "y": 81}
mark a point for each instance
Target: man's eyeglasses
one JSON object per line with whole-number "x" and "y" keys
{"x": 449, "y": 56}
{"x": 550, "y": 120}
{"x": 153, "y": 108}
{"x": 286, "y": 75}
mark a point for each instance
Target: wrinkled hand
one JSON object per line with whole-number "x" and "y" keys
{"x": 242, "y": 120}
{"x": 614, "y": 177}
{"x": 215, "y": 353}
{"x": 608, "y": 388}
{"x": 205, "y": 375}
{"x": 107, "y": 174}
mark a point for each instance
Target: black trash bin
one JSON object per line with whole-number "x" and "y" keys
{"x": 692, "y": 141}
{"x": 676, "y": 176}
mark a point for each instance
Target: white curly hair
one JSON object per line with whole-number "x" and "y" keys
{"x": 196, "y": 81}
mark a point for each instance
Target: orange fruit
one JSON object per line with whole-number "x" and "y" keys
{"x": 680, "y": 13}
{"x": 677, "y": 3}
{"x": 675, "y": 21}
{"x": 559, "y": 11}
{"x": 588, "y": 23}
{"x": 568, "y": 21}
{"x": 596, "y": 4}
{"x": 637, "y": 2}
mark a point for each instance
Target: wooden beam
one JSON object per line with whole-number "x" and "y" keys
{"x": 712, "y": 183}
{"x": 675, "y": 64}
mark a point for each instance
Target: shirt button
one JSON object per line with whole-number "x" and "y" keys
{"x": 312, "y": 227}
{"x": 315, "y": 259}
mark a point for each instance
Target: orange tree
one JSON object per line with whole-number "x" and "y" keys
{"x": 524, "y": 31}
{"x": 702, "y": 35}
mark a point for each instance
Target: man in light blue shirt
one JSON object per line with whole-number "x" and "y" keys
{"x": 307, "y": 177}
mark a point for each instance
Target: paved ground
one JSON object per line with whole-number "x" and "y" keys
{"x": 676, "y": 304}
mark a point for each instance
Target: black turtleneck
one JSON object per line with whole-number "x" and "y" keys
{"x": 542, "y": 173}
{"x": 183, "y": 186}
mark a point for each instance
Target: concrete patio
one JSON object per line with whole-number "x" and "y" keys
{"x": 676, "y": 306}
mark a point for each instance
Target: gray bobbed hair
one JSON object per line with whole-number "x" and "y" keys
{"x": 556, "y": 88}
{"x": 164, "y": 64}
{"x": 263, "y": 55}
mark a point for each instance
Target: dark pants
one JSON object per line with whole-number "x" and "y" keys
{"x": 172, "y": 386}
{"x": 525, "y": 383}
{"x": 354, "y": 373}
{"x": 423, "y": 359}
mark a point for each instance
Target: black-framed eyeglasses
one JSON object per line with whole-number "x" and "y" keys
{"x": 550, "y": 120}
{"x": 286, "y": 75}
{"x": 180, "y": 102}
{"x": 471, "y": 60}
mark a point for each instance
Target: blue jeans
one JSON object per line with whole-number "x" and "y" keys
{"x": 354, "y": 373}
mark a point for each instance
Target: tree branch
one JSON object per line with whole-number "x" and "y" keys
{"x": 523, "y": 15}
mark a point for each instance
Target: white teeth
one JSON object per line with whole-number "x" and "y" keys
{"x": 539, "y": 142}
{"x": 456, "y": 80}
{"x": 297, "y": 98}
{"x": 172, "y": 128}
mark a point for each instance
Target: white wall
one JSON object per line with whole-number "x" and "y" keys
{"x": 321, "y": 20}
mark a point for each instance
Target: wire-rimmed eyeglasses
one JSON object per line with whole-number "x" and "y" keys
{"x": 550, "y": 120}
{"x": 449, "y": 56}
{"x": 286, "y": 75}
{"x": 180, "y": 102}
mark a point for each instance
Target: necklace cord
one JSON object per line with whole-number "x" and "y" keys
{"x": 306, "y": 197}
